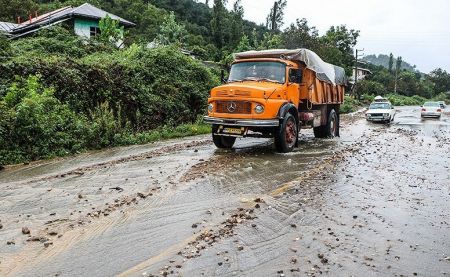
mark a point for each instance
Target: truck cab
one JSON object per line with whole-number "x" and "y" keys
{"x": 268, "y": 96}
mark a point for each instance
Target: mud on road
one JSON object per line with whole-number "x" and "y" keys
{"x": 374, "y": 202}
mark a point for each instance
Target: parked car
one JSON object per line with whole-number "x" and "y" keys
{"x": 380, "y": 112}
{"x": 442, "y": 104}
{"x": 431, "y": 109}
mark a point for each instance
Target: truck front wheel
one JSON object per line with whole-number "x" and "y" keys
{"x": 287, "y": 135}
{"x": 222, "y": 142}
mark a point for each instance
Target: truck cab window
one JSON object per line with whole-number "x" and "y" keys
{"x": 295, "y": 76}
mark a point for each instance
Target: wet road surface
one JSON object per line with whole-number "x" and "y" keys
{"x": 374, "y": 202}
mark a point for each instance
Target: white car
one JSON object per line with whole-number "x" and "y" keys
{"x": 431, "y": 109}
{"x": 380, "y": 112}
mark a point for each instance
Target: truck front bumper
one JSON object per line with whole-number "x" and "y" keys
{"x": 242, "y": 122}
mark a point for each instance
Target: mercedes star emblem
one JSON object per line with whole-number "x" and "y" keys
{"x": 231, "y": 107}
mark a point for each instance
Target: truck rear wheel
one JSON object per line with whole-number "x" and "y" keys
{"x": 331, "y": 129}
{"x": 333, "y": 124}
{"x": 287, "y": 135}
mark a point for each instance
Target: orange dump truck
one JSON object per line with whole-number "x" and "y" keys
{"x": 274, "y": 93}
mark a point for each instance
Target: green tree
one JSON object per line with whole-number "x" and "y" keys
{"x": 255, "y": 41}
{"x": 171, "y": 32}
{"x": 12, "y": 9}
{"x": 244, "y": 44}
{"x": 371, "y": 87}
{"x": 148, "y": 18}
{"x": 300, "y": 35}
{"x": 275, "y": 19}
{"x": 337, "y": 46}
{"x": 218, "y": 22}
{"x": 236, "y": 22}
{"x": 271, "y": 41}
{"x": 441, "y": 80}
{"x": 110, "y": 31}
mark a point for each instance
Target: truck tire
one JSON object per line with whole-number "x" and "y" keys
{"x": 287, "y": 135}
{"x": 331, "y": 129}
{"x": 222, "y": 142}
{"x": 332, "y": 124}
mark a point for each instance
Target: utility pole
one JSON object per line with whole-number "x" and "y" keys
{"x": 398, "y": 67}
{"x": 395, "y": 83}
{"x": 356, "y": 72}
{"x": 274, "y": 16}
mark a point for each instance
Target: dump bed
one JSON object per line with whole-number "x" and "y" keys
{"x": 322, "y": 83}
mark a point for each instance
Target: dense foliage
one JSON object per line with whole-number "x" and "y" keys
{"x": 54, "y": 102}
{"x": 404, "y": 82}
{"x": 387, "y": 61}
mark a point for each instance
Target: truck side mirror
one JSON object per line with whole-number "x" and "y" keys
{"x": 222, "y": 76}
{"x": 295, "y": 76}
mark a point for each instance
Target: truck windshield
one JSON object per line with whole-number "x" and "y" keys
{"x": 258, "y": 71}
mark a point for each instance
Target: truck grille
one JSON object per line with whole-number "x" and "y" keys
{"x": 234, "y": 107}
{"x": 237, "y": 93}
{"x": 376, "y": 114}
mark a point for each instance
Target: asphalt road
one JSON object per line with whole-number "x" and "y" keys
{"x": 375, "y": 202}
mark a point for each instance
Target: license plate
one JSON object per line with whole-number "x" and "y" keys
{"x": 233, "y": 131}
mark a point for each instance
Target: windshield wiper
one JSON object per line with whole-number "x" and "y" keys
{"x": 245, "y": 79}
{"x": 256, "y": 80}
{"x": 269, "y": 80}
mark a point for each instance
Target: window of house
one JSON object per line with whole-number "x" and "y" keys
{"x": 95, "y": 31}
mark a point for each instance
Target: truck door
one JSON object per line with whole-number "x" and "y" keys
{"x": 294, "y": 81}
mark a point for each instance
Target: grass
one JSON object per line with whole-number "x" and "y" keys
{"x": 163, "y": 133}
{"x": 125, "y": 139}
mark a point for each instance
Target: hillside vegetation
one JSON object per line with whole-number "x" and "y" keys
{"x": 383, "y": 60}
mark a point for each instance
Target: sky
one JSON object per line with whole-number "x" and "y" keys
{"x": 417, "y": 30}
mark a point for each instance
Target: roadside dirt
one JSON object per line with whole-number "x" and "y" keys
{"x": 374, "y": 202}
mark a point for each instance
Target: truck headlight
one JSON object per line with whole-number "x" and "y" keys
{"x": 386, "y": 114}
{"x": 259, "y": 109}
{"x": 210, "y": 107}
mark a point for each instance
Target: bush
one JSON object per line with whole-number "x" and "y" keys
{"x": 104, "y": 98}
{"x": 5, "y": 48}
{"x": 34, "y": 124}
{"x": 350, "y": 105}
{"x": 442, "y": 97}
{"x": 144, "y": 87}
{"x": 52, "y": 41}
{"x": 371, "y": 87}
{"x": 401, "y": 100}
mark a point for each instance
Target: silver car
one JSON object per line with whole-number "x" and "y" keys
{"x": 380, "y": 112}
{"x": 431, "y": 109}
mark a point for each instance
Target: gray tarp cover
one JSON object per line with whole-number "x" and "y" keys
{"x": 325, "y": 72}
